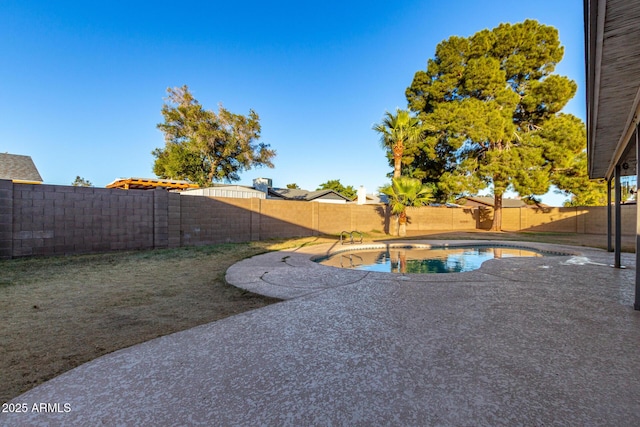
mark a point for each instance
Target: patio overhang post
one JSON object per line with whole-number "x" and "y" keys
{"x": 636, "y": 304}
{"x": 609, "y": 228}
{"x": 618, "y": 192}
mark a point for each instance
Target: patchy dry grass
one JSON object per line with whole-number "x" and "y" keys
{"x": 59, "y": 312}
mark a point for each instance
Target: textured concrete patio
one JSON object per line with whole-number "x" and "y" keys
{"x": 522, "y": 341}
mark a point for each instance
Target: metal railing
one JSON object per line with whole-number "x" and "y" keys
{"x": 350, "y": 261}
{"x": 350, "y": 234}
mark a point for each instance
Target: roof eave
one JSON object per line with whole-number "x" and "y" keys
{"x": 613, "y": 94}
{"x": 594, "y": 36}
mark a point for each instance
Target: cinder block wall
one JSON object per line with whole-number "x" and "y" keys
{"x": 280, "y": 218}
{"x": 542, "y": 219}
{"x": 204, "y": 220}
{"x": 333, "y": 218}
{"x": 442, "y": 219}
{"x": 6, "y": 219}
{"x": 51, "y": 220}
{"x": 588, "y": 220}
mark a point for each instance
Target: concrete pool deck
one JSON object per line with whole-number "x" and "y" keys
{"x": 521, "y": 341}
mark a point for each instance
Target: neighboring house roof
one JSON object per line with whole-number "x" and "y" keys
{"x": 297, "y": 194}
{"x": 150, "y": 183}
{"x": 377, "y": 198}
{"x": 19, "y": 168}
{"x": 489, "y": 200}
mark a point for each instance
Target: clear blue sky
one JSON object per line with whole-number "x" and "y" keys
{"x": 82, "y": 83}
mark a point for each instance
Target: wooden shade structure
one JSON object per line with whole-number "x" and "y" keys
{"x": 150, "y": 184}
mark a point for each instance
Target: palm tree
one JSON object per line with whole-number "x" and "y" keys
{"x": 396, "y": 133}
{"x": 406, "y": 192}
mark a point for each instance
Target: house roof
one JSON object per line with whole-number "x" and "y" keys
{"x": 150, "y": 183}
{"x": 298, "y": 194}
{"x": 377, "y": 198}
{"x": 612, "y": 37}
{"x": 18, "y": 168}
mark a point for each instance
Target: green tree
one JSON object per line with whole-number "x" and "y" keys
{"x": 335, "y": 185}
{"x": 293, "y": 186}
{"x": 574, "y": 183}
{"x": 496, "y": 106}
{"x": 81, "y": 182}
{"x": 405, "y": 192}
{"x": 629, "y": 189}
{"x": 203, "y": 146}
{"x": 398, "y": 132}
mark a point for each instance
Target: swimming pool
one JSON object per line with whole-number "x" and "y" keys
{"x": 420, "y": 260}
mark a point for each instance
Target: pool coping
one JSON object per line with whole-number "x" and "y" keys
{"x": 290, "y": 274}
{"x": 447, "y": 245}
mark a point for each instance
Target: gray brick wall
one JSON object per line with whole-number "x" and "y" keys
{"x": 6, "y": 219}
{"x": 56, "y": 220}
{"x": 205, "y": 220}
{"x": 160, "y": 218}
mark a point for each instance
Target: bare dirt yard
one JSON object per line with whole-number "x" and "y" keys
{"x": 59, "y": 312}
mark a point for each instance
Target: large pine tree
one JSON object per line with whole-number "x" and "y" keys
{"x": 496, "y": 107}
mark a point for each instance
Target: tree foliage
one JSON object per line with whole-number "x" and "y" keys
{"x": 398, "y": 132}
{"x": 81, "y": 182}
{"x": 335, "y": 185}
{"x": 574, "y": 183}
{"x": 496, "y": 109}
{"x": 293, "y": 186}
{"x": 203, "y": 146}
{"x": 405, "y": 192}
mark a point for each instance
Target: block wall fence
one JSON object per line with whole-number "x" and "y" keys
{"x": 57, "y": 220}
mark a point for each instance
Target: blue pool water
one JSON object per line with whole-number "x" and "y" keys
{"x": 422, "y": 261}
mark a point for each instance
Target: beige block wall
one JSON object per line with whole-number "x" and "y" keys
{"x": 335, "y": 218}
{"x": 441, "y": 219}
{"x": 49, "y": 219}
{"x": 589, "y": 220}
{"x": 595, "y": 222}
{"x": 628, "y": 220}
{"x": 255, "y": 219}
{"x": 371, "y": 218}
{"x": 547, "y": 219}
{"x": 279, "y": 218}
